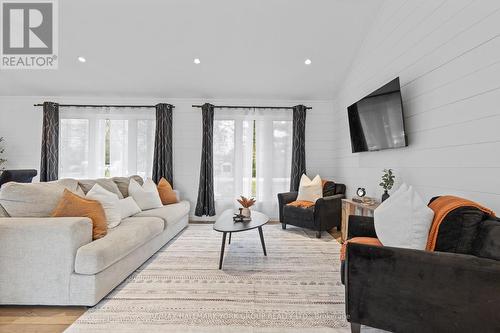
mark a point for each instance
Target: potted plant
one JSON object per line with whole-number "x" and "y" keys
{"x": 246, "y": 203}
{"x": 2, "y": 150}
{"x": 387, "y": 183}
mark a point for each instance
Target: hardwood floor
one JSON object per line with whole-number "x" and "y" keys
{"x": 336, "y": 234}
{"x": 37, "y": 319}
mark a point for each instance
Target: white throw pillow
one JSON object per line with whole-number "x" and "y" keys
{"x": 146, "y": 196}
{"x": 109, "y": 202}
{"x": 403, "y": 220}
{"x": 310, "y": 190}
{"x": 128, "y": 207}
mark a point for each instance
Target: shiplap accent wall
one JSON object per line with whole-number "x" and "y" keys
{"x": 21, "y": 125}
{"x": 447, "y": 55}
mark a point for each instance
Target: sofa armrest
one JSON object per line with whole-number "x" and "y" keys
{"x": 328, "y": 212}
{"x": 404, "y": 290}
{"x": 331, "y": 198}
{"x": 285, "y": 198}
{"x": 361, "y": 226}
{"x": 37, "y": 257}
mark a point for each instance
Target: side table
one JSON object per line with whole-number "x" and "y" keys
{"x": 350, "y": 207}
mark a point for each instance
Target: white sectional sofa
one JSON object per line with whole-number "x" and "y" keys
{"x": 53, "y": 261}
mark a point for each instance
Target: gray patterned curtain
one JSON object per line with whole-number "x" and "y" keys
{"x": 162, "y": 160}
{"x": 298, "y": 146}
{"x": 49, "y": 165}
{"x": 205, "y": 204}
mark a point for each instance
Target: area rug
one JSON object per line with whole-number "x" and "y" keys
{"x": 296, "y": 288}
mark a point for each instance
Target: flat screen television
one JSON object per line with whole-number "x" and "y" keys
{"x": 376, "y": 122}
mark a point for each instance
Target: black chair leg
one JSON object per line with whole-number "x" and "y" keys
{"x": 283, "y": 225}
{"x": 355, "y": 328}
{"x": 318, "y": 234}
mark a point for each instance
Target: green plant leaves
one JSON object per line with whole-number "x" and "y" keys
{"x": 387, "y": 179}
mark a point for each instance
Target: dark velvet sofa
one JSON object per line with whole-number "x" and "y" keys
{"x": 19, "y": 176}
{"x": 326, "y": 213}
{"x": 456, "y": 288}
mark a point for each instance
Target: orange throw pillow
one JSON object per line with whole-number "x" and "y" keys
{"x": 72, "y": 205}
{"x": 167, "y": 194}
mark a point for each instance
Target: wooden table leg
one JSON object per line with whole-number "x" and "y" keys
{"x": 343, "y": 221}
{"x": 262, "y": 241}
{"x": 230, "y": 237}
{"x": 222, "y": 249}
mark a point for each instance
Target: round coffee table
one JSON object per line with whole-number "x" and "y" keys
{"x": 225, "y": 224}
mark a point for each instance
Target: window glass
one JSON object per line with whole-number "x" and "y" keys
{"x": 73, "y": 148}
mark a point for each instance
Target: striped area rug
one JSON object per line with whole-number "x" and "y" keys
{"x": 296, "y": 288}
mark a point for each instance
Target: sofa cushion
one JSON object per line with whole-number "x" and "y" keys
{"x": 329, "y": 188}
{"x": 340, "y": 188}
{"x": 106, "y": 183}
{"x": 132, "y": 232}
{"x": 123, "y": 182}
{"x": 305, "y": 215}
{"x": 487, "y": 242}
{"x": 34, "y": 199}
{"x": 170, "y": 213}
{"x": 459, "y": 229}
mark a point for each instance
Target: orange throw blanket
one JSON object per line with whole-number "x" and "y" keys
{"x": 441, "y": 207}
{"x": 301, "y": 204}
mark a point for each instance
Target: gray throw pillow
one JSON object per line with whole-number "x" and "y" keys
{"x": 106, "y": 183}
{"x": 123, "y": 182}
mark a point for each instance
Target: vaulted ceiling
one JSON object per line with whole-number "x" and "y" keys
{"x": 248, "y": 49}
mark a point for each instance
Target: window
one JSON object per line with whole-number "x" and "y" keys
{"x": 252, "y": 157}
{"x": 106, "y": 142}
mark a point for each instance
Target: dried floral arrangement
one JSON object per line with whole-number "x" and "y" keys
{"x": 246, "y": 202}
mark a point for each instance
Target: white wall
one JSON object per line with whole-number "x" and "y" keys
{"x": 447, "y": 55}
{"x": 21, "y": 125}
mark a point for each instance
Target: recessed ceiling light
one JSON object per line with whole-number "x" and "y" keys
{"x": 82, "y": 59}
{"x": 197, "y": 61}
{"x": 308, "y": 62}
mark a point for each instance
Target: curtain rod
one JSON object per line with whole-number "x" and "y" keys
{"x": 250, "y": 107}
{"x": 103, "y": 106}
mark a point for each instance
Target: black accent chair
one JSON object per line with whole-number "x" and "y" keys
{"x": 323, "y": 216}
{"x": 18, "y": 176}
{"x": 405, "y": 290}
